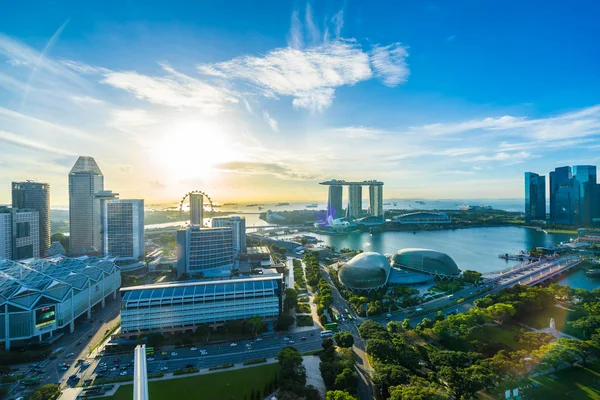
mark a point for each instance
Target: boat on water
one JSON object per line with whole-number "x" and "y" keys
{"x": 420, "y": 202}
{"x": 282, "y": 204}
{"x": 395, "y": 204}
{"x": 251, "y": 205}
{"x": 312, "y": 206}
{"x": 260, "y": 208}
{"x": 593, "y": 272}
{"x": 230, "y": 204}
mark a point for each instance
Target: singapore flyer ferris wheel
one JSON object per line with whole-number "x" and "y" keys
{"x": 189, "y": 196}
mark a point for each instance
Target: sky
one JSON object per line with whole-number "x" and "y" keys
{"x": 249, "y": 100}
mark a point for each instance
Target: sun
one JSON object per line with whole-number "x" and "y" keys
{"x": 194, "y": 149}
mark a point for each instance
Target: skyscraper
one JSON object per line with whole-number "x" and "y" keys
{"x": 19, "y": 233}
{"x": 376, "y": 200}
{"x": 206, "y": 251}
{"x": 85, "y": 180}
{"x": 584, "y": 185}
{"x": 196, "y": 209}
{"x": 35, "y": 196}
{"x": 123, "y": 228}
{"x": 238, "y": 224}
{"x": 354, "y": 209}
{"x": 559, "y": 177}
{"x": 334, "y": 202}
{"x": 535, "y": 197}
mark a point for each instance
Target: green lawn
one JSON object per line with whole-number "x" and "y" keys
{"x": 575, "y": 383}
{"x": 565, "y": 231}
{"x": 225, "y": 385}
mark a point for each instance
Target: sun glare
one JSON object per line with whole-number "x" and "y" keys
{"x": 194, "y": 149}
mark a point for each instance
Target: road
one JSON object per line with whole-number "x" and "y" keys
{"x": 87, "y": 333}
{"x": 111, "y": 366}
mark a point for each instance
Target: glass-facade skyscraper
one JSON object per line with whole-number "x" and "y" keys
{"x": 584, "y": 185}
{"x": 334, "y": 202}
{"x": 123, "y": 228}
{"x": 560, "y": 205}
{"x": 535, "y": 197}
{"x": 85, "y": 180}
{"x": 35, "y": 196}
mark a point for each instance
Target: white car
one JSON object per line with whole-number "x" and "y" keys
{"x": 193, "y": 349}
{"x": 174, "y": 353}
{"x": 203, "y": 352}
{"x": 123, "y": 373}
{"x": 70, "y": 355}
{"x": 113, "y": 369}
{"x": 150, "y": 359}
{"x": 164, "y": 368}
{"x": 248, "y": 344}
{"x": 419, "y": 309}
{"x": 233, "y": 345}
{"x": 258, "y": 339}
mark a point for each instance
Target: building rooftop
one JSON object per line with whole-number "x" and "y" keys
{"x": 86, "y": 165}
{"x": 258, "y": 250}
{"x": 350, "y": 183}
{"x": 204, "y": 282}
{"x": 24, "y": 282}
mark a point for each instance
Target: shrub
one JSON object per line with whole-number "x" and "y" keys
{"x": 222, "y": 366}
{"x": 183, "y": 371}
{"x": 255, "y": 361}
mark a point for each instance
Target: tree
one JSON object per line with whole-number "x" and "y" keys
{"x": 465, "y": 382}
{"x": 471, "y": 276}
{"x": 293, "y": 373}
{"x": 62, "y": 239}
{"x": 372, "y": 330}
{"x": 387, "y": 375}
{"x": 394, "y": 327}
{"x": 339, "y": 395}
{"x": 46, "y": 392}
{"x": 346, "y": 380}
{"x": 419, "y": 389}
{"x": 344, "y": 339}
{"x": 327, "y": 343}
{"x": 406, "y": 324}
{"x": 501, "y": 312}
{"x": 255, "y": 324}
{"x": 424, "y": 324}
{"x": 381, "y": 350}
{"x": 291, "y": 299}
{"x": 284, "y": 321}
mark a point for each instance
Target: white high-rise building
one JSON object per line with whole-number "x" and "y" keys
{"x": 85, "y": 180}
{"x": 123, "y": 228}
{"x": 19, "y": 233}
{"x": 206, "y": 251}
{"x": 196, "y": 209}
{"x": 376, "y": 200}
{"x": 238, "y": 224}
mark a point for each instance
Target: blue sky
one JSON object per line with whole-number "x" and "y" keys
{"x": 261, "y": 100}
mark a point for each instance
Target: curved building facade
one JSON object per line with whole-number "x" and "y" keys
{"x": 366, "y": 271}
{"x": 427, "y": 262}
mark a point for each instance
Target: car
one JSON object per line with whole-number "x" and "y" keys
{"x": 90, "y": 336}
{"x": 73, "y": 377}
{"x": 303, "y": 338}
{"x": 291, "y": 342}
{"x": 174, "y": 353}
{"x": 69, "y": 355}
{"x": 387, "y": 318}
{"x": 233, "y": 345}
{"x": 63, "y": 364}
{"x": 419, "y": 309}
{"x": 123, "y": 373}
{"x": 164, "y": 368}
{"x": 164, "y": 353}
{"x": 248, "y": 344}
{"x": 85, "y": 364}
{"x": 150, "y": 359}
{"x": 203, "y": 352}
{"x": 78, "y": 344}
{"x": 118, "y": 360}
{"x": 124, "y": 368}
{"x": 113, "y": 369}
{"x": 63, "y": 368}
{"x": 258, "y": 339}
{"x": 193, "y": 349}
{"x": 388, "y": 315}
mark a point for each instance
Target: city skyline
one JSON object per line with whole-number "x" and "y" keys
{"x": 247, "y": 106}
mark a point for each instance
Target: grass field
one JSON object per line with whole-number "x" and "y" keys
{"x": 575, "y": 383}
{"x": 565, "y": 231}
{"x": 226, "y": 385}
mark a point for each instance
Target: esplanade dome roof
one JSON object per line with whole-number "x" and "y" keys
{"x": 426, "y": 261}
{"x": 365, "y": 271}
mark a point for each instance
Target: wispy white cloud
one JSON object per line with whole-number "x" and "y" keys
{"x": 20, "y": 141}
{"x": 83, "y": 100}
{"x": 390, "y": 64}
{"x": 338, "y": 23}
{"x": 272, "y": 122}
{"x": 502, "y": 156}
{"x": 295, "y": 39}
{"x": 314, "y": 34}
{"x": 130, "y": 119}
{"x": 279, "y": 170}
{"x": 174, "y": 90}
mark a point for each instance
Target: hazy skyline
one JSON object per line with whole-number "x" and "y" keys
{"x": 436, "y": 100}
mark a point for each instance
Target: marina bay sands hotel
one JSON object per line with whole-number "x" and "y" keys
{"x": 354, "y": 209}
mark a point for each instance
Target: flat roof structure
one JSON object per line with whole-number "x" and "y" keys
{"x": 351, "y": 183}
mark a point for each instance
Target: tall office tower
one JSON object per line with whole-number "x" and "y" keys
{"x": 376, "y": 200}
{"x": 22, "y": 227}
{"x": 85, "y": 180}
{"x": 35, "y": 196}
{"x": 354, "y": 209}
{"x": 196, "y": 209}
{"x": 535, "y": 197}
{"x": 238, "y": 224}
{"x": 98, "y": 211}
{"x": 564, "y": 204}
{"x": 206, "y": 251}
{"x": 584, "y": 184}
{"x": 123, "y": 228}
{"x": 559, "y": 177}
{"x": 5, "y": 233}
{"x": 334, "y": 202}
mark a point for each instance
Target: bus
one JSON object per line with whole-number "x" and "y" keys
{"x": 337, "y": 317}
{"x": 149, "y": 351}
{"x": 326, "y": 334}
{"x": 331, "y": 326}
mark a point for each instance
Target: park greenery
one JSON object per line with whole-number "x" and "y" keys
{"x": 337, "y": 367}
{"x": 489, "y": 348}
{"x": 292, "y": 377}
{"x": 46, "y": 392}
